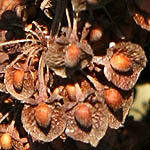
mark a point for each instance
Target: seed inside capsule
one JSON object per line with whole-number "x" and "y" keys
{"x": 72, "y": 55}
{"x": 113, "y": 98}
{"x": 121, "y": 62}
{"x": 43, "y": 115}
{"x": 71, "y": 90}
{"x": 83, "y": 116}
{"x": 6, "y": 141}
{"x": 18, "y": 78}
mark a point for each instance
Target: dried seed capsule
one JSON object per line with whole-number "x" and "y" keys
{"x": 43, "y": 115}
{"x": 131, "y": 54}
{"x": 83, "y": 115}
{"x": 99, "y": 124}
{"x": 113, "y": 98}
{"x": 121, "y": 62}
{"x": 20, "y": 84}
{"x": 56, "y": 128}
{"x": 72, "y": 56}
{"x": 6, "y": 141}
{"x": 18, "y": 78}
{"x": 71, "y": 90}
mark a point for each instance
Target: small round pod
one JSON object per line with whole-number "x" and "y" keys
{"x": 87, "y": 123}
{"x": 123, "y": 64}
{"x": 140, "y": 12}
{"x": 77, "y": 56}
{"x": 117, "y": 116}
{"x": 40, "y": 131}
{"x": 19, "y": 83}
{"x": 113, "y": 98}
{"x": 6, "y": 141}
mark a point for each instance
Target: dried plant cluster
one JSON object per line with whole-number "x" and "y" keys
{"x": 60, "y": 75}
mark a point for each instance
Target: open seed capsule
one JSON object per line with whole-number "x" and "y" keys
{"x": 56, "y": 126}
{"x": 127, "y": 57}
{"x": 19, "y": 84}
{"x": 98, "y": 117}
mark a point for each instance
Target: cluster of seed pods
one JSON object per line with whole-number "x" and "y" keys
{"x": 65, "y": 88}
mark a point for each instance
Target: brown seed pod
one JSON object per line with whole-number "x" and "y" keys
{"x": 121, "y": 62}
{"x": 71, "y": 90}
{"x": 72, "y": 56}
{"x": 113, "y": 98}
{"x": 135, "y": 54}
{"x": 98, "y": 128}
{"x": 24, "y": 83}
{"x": 43, "y": 115}
{"x": 54, "y": 130}
{"x": 96, "y": 34}
{"x": 83, "y": 115}
{"x": 18, "y": 78}
{"x": 117, "y": 118}
{"x": 141, "y": 13}
{"x": 6, "y": 141}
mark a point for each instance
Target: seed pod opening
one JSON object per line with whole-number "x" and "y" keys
{"x": 43, "y": 115}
